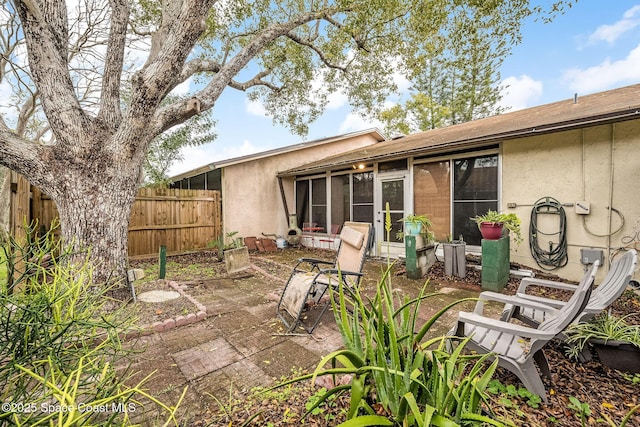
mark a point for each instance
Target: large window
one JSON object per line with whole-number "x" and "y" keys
{"x": 319, "y": 203}
{"x": 351, "y": 199}
{"x": 340, "y": 199}
{"x": 475, "y": 191}
{"x": 311, "y": 203}
{"x": 302, "y": 201}
{"x": 432, "y": 184}
{"x": 450, "y": 192}
{"x": 362, "y": 202}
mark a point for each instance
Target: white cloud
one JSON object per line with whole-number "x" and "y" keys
{"x": 520, "y": 92}
{"x": 182, "y": 89}
{"x": 610, "y": 33}
{"x": 354, "y": 122}
{"x": 255, "y": 108}
{"x": 196, "y": 157}
{"x": 337, "y": 100}
{"x": 605, "y": 75}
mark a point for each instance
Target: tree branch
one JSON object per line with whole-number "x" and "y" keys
{"x": 110, "y": 97}
{"x": 169, "y": 116}
{"x": 159, "y": 75}
{"x": 318, "y": 52}
{"x": 26, "y": 112}
{"x": 255, "y": 81}
{"x": 46, "y": 38}
{"x": 24, "y": 157}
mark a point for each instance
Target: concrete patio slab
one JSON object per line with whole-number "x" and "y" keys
{"x": 242, "y": 344}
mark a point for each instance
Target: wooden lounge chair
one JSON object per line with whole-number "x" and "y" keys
{"x": 611, "y": 287}
{"x": 518, "y": 347}
{"x": 311, "y": 278}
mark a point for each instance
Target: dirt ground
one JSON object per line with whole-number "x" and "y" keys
{"x": 608, "y": 393}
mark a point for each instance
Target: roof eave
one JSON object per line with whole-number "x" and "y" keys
{"x": 617, "y": 116}
{"x": 378, "y": 135}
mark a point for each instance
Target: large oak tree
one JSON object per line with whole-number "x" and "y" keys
{"x": 290, "y": 54}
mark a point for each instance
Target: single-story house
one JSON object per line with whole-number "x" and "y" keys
{"x": 255, "y": 200}
{"x": 583, "y": 153}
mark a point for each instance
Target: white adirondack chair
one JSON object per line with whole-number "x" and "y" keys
{"x": 603, "y": 295}
{"x": 519, "y": 347}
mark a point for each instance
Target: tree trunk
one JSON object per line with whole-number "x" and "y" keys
{"x": 94, "y": 218}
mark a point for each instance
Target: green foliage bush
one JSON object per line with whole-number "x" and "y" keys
{"x": 398, "y": 377}
{"x": 60, "y": 344}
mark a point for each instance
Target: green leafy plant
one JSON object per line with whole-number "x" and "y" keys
{"x": 511, "y": 222}
{"x": 80, "y": 397}
{"x": 60, "y": 343}
{"x": 423, "y": 222}
{"x": 604, "y": 327}
{"x": 507, "y": 392}
{"x": 228, "y": 241}
{"x": 582, "y": 410}
{"x": 23, "y": 258}
{"x": 398, "y": 376}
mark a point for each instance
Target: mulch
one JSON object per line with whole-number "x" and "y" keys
{"x": 607, "y": 392}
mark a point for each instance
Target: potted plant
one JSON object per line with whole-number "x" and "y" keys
{"x": 616, "y": 343}
{"x": 414, "y": 225}
{"x": 493, "y": 223}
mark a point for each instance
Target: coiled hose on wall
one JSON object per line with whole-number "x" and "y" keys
{"x": 555, "y": 256}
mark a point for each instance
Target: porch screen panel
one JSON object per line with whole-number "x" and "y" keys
{"x": 475, "y": 191}
{"x": 432, "y": 195}
{"x": 302, "y": 202}
{"x": 319, "y": 202}
{"x": 340, "y": 199}
{"x": 362, "y": 203}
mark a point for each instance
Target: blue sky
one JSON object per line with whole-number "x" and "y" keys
{"x": 594, "y": 46}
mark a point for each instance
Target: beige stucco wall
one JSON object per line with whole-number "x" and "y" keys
{"x": 600, "y": 165}
{"x": 251, "y": 200}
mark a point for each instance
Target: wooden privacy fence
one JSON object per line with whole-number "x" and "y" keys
{"x": 180, "y": 220}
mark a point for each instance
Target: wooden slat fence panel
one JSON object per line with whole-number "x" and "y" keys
{"x": 181, "y": 220}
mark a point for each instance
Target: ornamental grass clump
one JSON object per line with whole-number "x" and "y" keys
{"x": 60, "y": 344}
{"x": 605, "y": 327}
{"x": 398, "y": 376}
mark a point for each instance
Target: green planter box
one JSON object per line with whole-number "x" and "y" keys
{"x": 418, "y": 257}
{"x": 495, "y": 264}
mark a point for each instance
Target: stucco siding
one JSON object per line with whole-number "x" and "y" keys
{"x": 251, "y": 200}
{"x": 599, "y": 165}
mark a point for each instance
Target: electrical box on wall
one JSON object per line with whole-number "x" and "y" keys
{"x": 583, "y": 208}
{"x": 589, "y": 256}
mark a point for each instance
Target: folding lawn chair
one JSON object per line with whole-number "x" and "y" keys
{"x": 311, "y": 278}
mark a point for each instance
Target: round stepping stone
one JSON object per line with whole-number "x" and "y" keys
{"x": 158, "y": 296}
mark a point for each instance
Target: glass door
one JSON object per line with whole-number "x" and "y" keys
{"x": 392, "y": 189}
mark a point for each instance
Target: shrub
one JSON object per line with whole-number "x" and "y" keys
{"x": 398, "y": 378}
{"x": 60, "y": 344}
